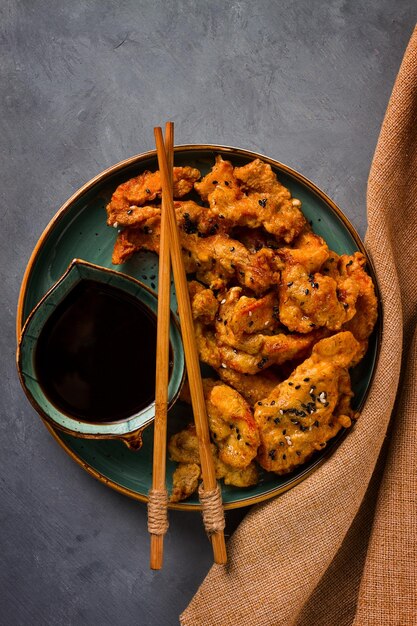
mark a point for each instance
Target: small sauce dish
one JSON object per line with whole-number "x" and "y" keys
{"x": 86, "y": 355}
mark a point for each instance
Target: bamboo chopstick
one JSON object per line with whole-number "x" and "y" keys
{"x": 190, "y": 351}
{"x": 157, "y": 512}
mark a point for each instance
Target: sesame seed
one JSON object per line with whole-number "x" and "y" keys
{"x": 289, "y": 284}
{"x": 281, "y": 411}
{"x": 288, "y": 440}
{"x": 116, "y": 225}
{"x": 224, "y": 365}
{"x": 306, "y": 291}
{"x": 250, "y": 313}
{"x": 223, "y": 301}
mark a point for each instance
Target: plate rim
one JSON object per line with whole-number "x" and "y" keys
{"x": 233, "y": 151}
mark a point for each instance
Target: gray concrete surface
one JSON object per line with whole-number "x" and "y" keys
{"x": 83, "y": 84}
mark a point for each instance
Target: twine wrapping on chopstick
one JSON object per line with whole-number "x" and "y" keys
{"x": 157, "y": 512}
{"x": 212, "y": 509}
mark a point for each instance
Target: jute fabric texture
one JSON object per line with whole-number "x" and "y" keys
{"x": 340, "y": 548}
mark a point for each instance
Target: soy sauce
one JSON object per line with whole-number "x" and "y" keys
{"x": 95, "y": 357}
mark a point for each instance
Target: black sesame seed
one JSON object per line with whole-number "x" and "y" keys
{"x": 273, "y": 402}
{"x": 129, "y": 211}
{"x": 306, "y": 291}
{"x": 284, "y": 432}
{"x": 239, "y": 437}
{"x": 281, "y": 443}
{"x": 350, "y": 263}
{"x": 226, "y": 182}
{"x": 262, "y": 202}
{"x": 289, "y": 284}
{"x": 316, "y": 423}
{"x": 284, "y": 456}
{"x": 290, "y": 384}
{"x": 277, "y": 420}
{"x": 306, "y": 380}
{"x": 232, "y": 249}
{"x": 148, "y": 190}
{"x": 260, "y": 403}
{"x": 297, "y": 386}
{"x": 250, "y": 323}
{"x": 345, "y": 304}
{"x": 298, "y": 453}
{"x": 312, "y": 324}
{"x": 215, "y": 182}
{"x": 303, "y": 428}
{"x": 271, "y": 454}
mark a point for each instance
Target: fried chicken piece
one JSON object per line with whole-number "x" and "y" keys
{"x": 325, "y": 298}
{"x": 143, "y": 189}
{"x": 244, "y": 477}
{"x": 231, "y": 423}
{"x": 216, "y": 259}
{"x": 363, "y": 321}
{"x": 308, "y": 250}
{"x": 204, "y": 304}
{"x": 251, "y": 387}
{"x": 184, "y": 481}
{"x": 308, "y": 408}
{"x": 220, "y": 174}
{"x": 255, "y": 238}
{"x": 276, "y": 350}
{"x": 269, "y": 205}
{"x": 308, "y": 301}
{"x": 183, "y": 448}
{"x": 242, "y": 322}
{"x": 241, "y": 329}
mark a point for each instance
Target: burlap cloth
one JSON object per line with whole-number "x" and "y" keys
{"x": 340, "y": 548}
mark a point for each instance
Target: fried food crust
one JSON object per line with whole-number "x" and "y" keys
{"x": 303, "y": 412}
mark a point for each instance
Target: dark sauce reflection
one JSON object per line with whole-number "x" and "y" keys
{"x": 95, "y": 357}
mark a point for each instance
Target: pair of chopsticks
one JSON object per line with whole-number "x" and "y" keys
{"x": 209, "y": 492}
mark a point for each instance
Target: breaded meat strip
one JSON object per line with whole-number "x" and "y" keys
{"x": 144, "y": 189}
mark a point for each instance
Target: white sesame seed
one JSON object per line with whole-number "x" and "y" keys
{"x": 281, "y": 411}
{"x": 311, "y": 390}
{"x": 266, "y": 323}
{"x": 296, "y": 202}
{"x": 288, "y": 440}
{"x": 116, "y": 225}
{"x": 132, "y": 207}
{"x": 150, "y": 231}
{"x": 223, "y": 301}
{"x": 224, "y": 365}
{"x": 250, "y": 313}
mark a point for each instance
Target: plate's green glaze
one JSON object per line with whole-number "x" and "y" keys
{"x": 79, "y": 230}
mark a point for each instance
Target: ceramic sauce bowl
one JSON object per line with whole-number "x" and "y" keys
{"x": 89, "y": 371}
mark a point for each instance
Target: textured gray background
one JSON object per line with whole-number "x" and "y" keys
{"x": 83, "y": 84}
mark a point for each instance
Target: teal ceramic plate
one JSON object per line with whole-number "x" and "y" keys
{"x": 79, "y": 230}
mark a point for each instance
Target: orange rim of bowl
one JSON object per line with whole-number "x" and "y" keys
{"x": 137, "y": 159}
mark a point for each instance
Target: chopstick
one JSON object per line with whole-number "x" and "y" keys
{"x": 210, "y": 495}
{"x": 158, "y": 496}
